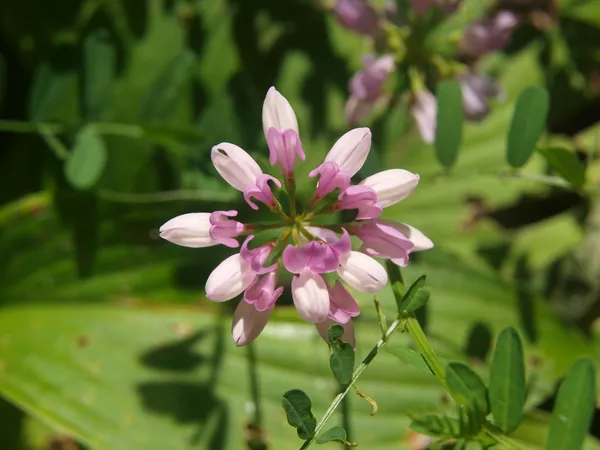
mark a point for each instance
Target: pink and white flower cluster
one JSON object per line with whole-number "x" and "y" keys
{"x": 315, "y": 256}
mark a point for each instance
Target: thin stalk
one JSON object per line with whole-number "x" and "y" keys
{"x": 357, "y": 373}
{"x": 254, "y": 388}
{"x": 434, "y": 363}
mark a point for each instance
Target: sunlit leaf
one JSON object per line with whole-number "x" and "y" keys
{"x": 574, "y": 407}
{"x": 528, "y": 124}
{"x": 566, "y": 164}
{"x": 507, "y": 381}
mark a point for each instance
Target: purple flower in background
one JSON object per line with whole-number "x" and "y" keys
{"x": 477, "y": 90}
{"x": 366, "y": 86}
{"x": 424, "y": 110}
{"x": 423, "y": 6}
{"x": 488, "y": 35}
{"x": 357, "y": 15}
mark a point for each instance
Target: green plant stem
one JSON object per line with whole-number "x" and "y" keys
{"x": 254, "y": 388}
{"x": 357, "y": 373}
{"x": 414, "y": 328}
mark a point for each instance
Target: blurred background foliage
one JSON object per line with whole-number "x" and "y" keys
{"x": 109, "y": 109}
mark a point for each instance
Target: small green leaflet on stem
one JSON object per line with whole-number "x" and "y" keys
{"x": 342, "y": 356}
{"x": 335, "y": 434}
{"x": 298, "y": 406}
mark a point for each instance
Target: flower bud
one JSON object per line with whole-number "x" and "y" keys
{"x": 351, "y": 151}
{"x": 311, "y": 296}
{"x": 363, "y": 273}
{"x": 236, "y": 166}
{"x": 391, "y": 185}
{"x": 356, "y": 15}
{"x": 189, "y": 230}
{"x": 278, "y": 113}
{"x": 229, "y": 279}
{"x": 424, "y": 110}
{"x": 248, "y": 323}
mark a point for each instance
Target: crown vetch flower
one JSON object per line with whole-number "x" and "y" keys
{"x": 303, "y": 250}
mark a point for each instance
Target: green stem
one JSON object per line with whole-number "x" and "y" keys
{"x": 357, "y": 373}
{"x": 254, "y": 389}
{"x": 434, "y": 363}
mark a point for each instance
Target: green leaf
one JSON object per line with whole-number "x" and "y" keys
{"x": 87, "y": 160}
{"x": 334, "y": 332}
{"x": 507, "y": 381}
{"x": 436, "y": 426}
{"x": 335, "y": 434}
{"x": 566, "y": 164}
{"x": 528, "y": 124}
{"x": 417, "y": 301}
{"x": 168, "y": 87}
{"x": 449, "y": 120}
{"x": 99, "y": 67}
{"x": 410, "y": 357}
{"x": 298, "y": 406}
{"x": 467, "y": 386}
{"x": 47, "y": 91}
{"x": 409, "y": 297}
{"x": 342, "y": 356}
{"x": 574, "y": 407}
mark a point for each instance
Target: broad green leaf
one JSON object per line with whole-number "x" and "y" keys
{"x": 574, "y": 407}
{"x": 298, "y": 406}
{"x": 99, "y": 66}
{"x": 566, "y": 164}
{"x": 47, "y": 90}
{"x": 527, "y": 125}
{"x": 180, "y": 405}
{"x": 507, "y": 381}
{"x": 168, "y": 87}
{"x": 342, "y": 356}
{"x": 407, "y": 298}
{"x": 409, "y": 357}
{"x": 335, "y": 434}
{"x": 449, "y": 122}
{"x": 467, "y": 386}
{"x": 87, "y": 160}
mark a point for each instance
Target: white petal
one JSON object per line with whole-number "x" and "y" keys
{"x": 324, "y": 234}
{"x": 351, "y": 150}
{"x": 229, "y": 279}
{"x": 420, "y": 241}
{"x": 235, "y": 165}
{"x": 188, "y": 230}
{"x": 392, "y": 185}
{"x": 278, "y": 113}
{"x": 248, "y": 323}
{"x": 348, "y": 337}
{"x": 311, "y": 297}
{"x": 363, "y": 273}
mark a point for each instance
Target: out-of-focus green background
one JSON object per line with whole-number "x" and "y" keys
{"x": 106, "y": 338}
